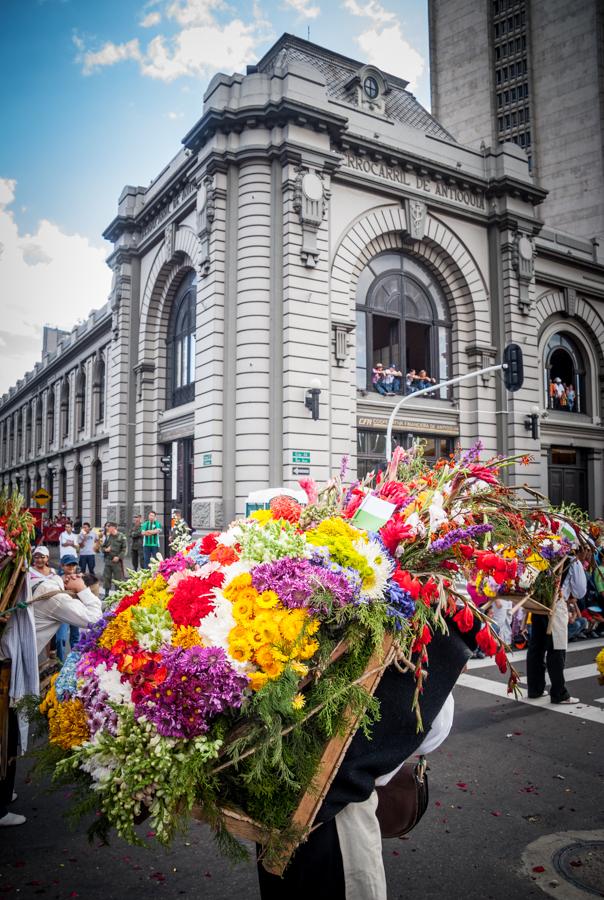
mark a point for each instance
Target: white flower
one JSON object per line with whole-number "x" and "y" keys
{"x": 437, "y": 513}
{"x": 416, "y": 523}
{"x": 374, "y": 585}
{"x": 110, "y": 681}
{"x": 231, "y": 536}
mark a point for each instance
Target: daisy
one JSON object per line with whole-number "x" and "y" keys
{"x": 374, "y": 584}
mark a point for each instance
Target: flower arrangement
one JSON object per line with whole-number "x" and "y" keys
{"x": 600, "y": 665}
{"x": 16, "y": 534}
{"x": 217, "y": 677}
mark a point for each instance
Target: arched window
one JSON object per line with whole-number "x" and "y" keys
{"x": 97, "y": 481}
{"x": 50, "y": 417}
{"x": 39, "y": 422}
{"x": 63, "y": 489}
{"x": 65, "y": 391}
{"x": 181, "y": 344}
{"x": 80, "y": 398}
{"x": 402, "y": 322}
{"x": 19, "y": 434}
{"x": 99, "y": 387}
{"x": 565, "y": 375}
{"x": 28, "y": 429}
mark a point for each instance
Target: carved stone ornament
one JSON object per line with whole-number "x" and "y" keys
{"x": 144, "y": 373}
{"x": 417, "y": 212}
{"x": 341, "y": 330}
{"x": 205, "y": 220}
{"x": 523, "y": 259}
{"x": 310, "y": 203}
{"x": 570, "y": 301}
{"x": 170, "y": 240}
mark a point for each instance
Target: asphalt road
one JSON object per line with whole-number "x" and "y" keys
{"x": 511, "y": 774}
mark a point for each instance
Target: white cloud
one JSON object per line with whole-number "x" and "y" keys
{"x": 304, "y": 9}
{"x": 201, "y": 46}
{"x": 372, "y": 9}
{"x": 109, "y": 55}
{"x": 175, "y": 115}
{"x": 384, "y": 44}
{"x": 47, "y": 277}
{"x": 150, "y": 20}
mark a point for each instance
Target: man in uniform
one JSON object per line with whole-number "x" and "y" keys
{"x": 136, "y": 542}
{"x": 115, "y": 547}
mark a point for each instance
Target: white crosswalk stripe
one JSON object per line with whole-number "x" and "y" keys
{"x": 499, "y": 689}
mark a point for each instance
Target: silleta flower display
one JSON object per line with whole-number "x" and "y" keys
{"x": 216, "y": 678}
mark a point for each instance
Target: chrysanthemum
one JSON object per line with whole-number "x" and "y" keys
{"x": 381, "y": 567}
{"x": 267, "y": 600}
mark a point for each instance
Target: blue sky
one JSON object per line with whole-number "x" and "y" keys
{"x": 96, "y": 94}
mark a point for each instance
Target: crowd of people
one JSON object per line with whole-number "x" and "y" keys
{"x": 562, "y": 396}
{"x": 390, "y": 380}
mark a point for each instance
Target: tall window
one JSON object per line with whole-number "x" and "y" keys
{"x": 28, "y": 430}
{"x": 99, "y": 387}
{"x": 63, "y": 489}
{"x": 50, "y": 416}
{"x": 65, "y": 398}
{"x": 39, "y": 422}
{"x": 402, "y": 321}
{"x": 78, "y": 490}
{"x": 97, "y": 480}
{"x": 80, "y": 398}
{"x": 181, "y": 344}
{"x": 19, "y": 434}
{"x": 565, "y": 376}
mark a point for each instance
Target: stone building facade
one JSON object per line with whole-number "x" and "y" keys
{"x": 317, "y": 221}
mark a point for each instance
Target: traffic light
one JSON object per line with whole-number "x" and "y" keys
{"x": 513, "y": 369}
{"x": 166, "y": 465}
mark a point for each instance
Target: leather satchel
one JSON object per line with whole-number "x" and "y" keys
{"x": 403, "y": 801}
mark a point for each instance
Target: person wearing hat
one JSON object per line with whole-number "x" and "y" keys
{"x": 558, "y": 392}
{"x": 40, "y": 568}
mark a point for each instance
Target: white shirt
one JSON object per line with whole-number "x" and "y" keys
{"x": 68, "y": 544}
{"x": 49, "y": 614}
{"x": 87, "y": 542}
{"x": 574, "y": 585}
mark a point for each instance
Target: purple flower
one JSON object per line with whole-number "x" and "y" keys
{"x": 90, "y": 635}
{"x": 201, "y": 683}
{"x": 457, "y": 535}
{"x": 344, "y": 464}
{"x": 303, "y": 582}
{"x": 472, "y": 455}
{"x": 401, "y": 605}
{"x": 99, "y": 714}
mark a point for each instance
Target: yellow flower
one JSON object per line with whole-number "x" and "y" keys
{"x": 308, "y": 649}
{"x": 118, "y": 629}
{"x": 240, "y": 650}
{"x": 243, "y": 610}
{"x": 238, "y": 633}
{"x": 291, "y": 625}
{"x": 267, "y": 600}
{"x": 262, "y": 516}
{"x": 298, "y": 701}
{"x": 600, "y": 662}
{"x": 312, "y": 627}
{"x": 155, "y": 592}
{"x": 237, "y": 584}
{"x": 299, "y": 668}
{"x": 67, "y": 725}
{"x": 265, "y": 626}
{"x": 264, "y": 656}
{"x": 274, "y": 669}
{"x": 257, "y": 680}
{"x": 186, "y": 636}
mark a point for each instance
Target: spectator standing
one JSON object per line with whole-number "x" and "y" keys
{"x": 151, "y": 530}
{"x": 136, "y": 542}
{"x": 89, "y": 547}
{"x": 69, "y": 568}
{"x": 68, "y": 542}
{"x": 571, "y": 396}
{"x": 558, "y": 392}
{"x": 115, "y": 547}
{"x": 501, "y": 613}
{"x": 549, "y": 649}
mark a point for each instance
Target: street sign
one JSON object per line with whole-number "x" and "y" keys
{"x": 42, "y": 497}
{"x": 300, "y": 470}
{"x": 301, "y": 456}
{"x": 206, "y": 459}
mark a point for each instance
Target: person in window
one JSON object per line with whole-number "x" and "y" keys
{"x": 558, "y": 393}
{"x": 411, "y": 380}
{"x": 377, "y": 379}
{"x": 424, "y": 380}
{"x": 552, "y": 395}
{"x": 392, "y": 379}
{"x": 570, "y": 398}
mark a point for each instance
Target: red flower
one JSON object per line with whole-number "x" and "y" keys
{"x": 356, "y": 498}
{"x": 466, "y": 551}
{"x": 394, "y": 491}
{"x": 394, "y": 531}
{"x": 126, "y": 602}
{"x": 502, "y": 660}
{"x": 285, "y": 508}
{"x": 192, "y": 599}
{"x": 407, "y": 583}
{"x": 464, "y": 618}
{"x": 486, "y": 642}
{"x": 209, "y": 542}
{"x": 484, "y": 473}
{"x": 224, "y": 555}
{"x": 429, "y": 591}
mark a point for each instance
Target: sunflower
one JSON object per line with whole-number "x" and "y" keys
{"x": 240, "y": 650}
{"x": 243, "y": 610}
